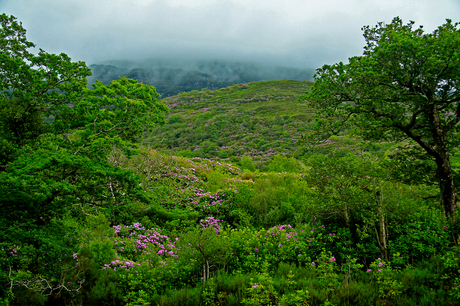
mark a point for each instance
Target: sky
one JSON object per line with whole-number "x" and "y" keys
{"x": 293, "y": 33}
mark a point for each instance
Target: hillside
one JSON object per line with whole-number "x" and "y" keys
{"x": 259, "y": 119}
{"x": 173, "y": 77}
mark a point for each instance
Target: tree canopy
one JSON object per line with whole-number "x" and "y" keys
{"x": 56, "y": 134}
{"x": 404, "y": 86}
{"x": 56, "y": 137}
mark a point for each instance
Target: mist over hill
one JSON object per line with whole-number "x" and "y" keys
{"x": 171, "y": 77}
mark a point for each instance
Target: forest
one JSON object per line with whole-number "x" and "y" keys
{"x": 341, "y": 191}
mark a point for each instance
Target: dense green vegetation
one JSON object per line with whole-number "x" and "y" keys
{"x": 257, "y": 120}
{"x": 99, "y": 208}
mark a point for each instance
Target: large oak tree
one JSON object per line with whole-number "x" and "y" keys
{"x": 406, "y": 85}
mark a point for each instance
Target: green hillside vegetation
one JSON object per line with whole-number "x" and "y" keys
{"x": 245, "y": 123}
{"x": 106, "y": 199}
{"x": 258, "y": 120}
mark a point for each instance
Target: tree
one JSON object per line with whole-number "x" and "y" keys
{"x": 32, "y": 88}
{"x": 56, "y": 137}
{"x": 404, "y": 86}
{"x": 58, "y": 134}
{"x": 349, "y": 188}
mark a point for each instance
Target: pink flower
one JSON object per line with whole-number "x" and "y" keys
{"x": 332, "y": 258}
{"x": 256, "y": 249}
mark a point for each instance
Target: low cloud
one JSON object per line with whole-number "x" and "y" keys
{"x": 296, "y": 33}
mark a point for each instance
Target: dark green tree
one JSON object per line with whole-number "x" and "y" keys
{"x": 406, "y": 85}
{"x": 56, "y": 139}
{"x": 32, "y": 88}
{"x": 56, "y": 134}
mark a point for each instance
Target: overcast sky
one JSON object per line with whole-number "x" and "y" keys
{"x": 296, "y": 33}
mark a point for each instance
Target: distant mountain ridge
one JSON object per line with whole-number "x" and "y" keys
{"x": 173, "y": 77}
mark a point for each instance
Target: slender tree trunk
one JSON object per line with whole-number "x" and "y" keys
{"x": 347, "y": 216}
{"x": 446, "y": 184}
{"x": 204, "y": 272}
{"x": 382, "y": 231}
{"x": 444, "y": 171}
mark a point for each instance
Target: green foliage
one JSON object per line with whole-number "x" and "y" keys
{"x": 205, "y": 251}
{"x": 64, "y": 161}
{"x": 41, "y": 258}
{"x": 419, "y": 235}
{"x": 344, "y": 183}
{"x": 58, "y": 136}
{"x": 32, "y": 87}
{"x": 273, "y": 198}
{"x": 258, "y": 122}
{"x": 262, "y": 291}
{"x": 404, "y": 86}
{"x": 281, "y": 163}
{"x": 409, "y": 164}
{"x": 296, "y": 298}
{"x": 246, "y": 162}
{"x": 451, "y": 274}
{"x": 325, "y": 266}
{"x": 389, "y": 288}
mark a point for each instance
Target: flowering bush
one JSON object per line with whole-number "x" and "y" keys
{"x": 383, "y": 274}
{"x": 282, "y": 243}
{"x": 326, "y": 270}
{"x": 262, "y": 291}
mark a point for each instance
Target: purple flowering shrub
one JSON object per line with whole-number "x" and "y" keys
{"x": 141, "y": 245}
{"x": 211, "y": 222}
{"x": 283, "y": 243}
{"x": 134, "y": 257}
{"x": 176, "y": 172}
{"x": 385, "y": 277}
{"x": 181, "y": 184}
{"x": 207, "y": 203}
{"x": 127, "y": 248}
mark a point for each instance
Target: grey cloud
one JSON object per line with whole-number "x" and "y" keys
{"x": 294, "y": 33}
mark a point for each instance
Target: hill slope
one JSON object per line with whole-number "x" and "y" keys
{"x": 258, "y": 119}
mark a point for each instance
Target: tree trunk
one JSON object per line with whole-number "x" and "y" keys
{"x": 444, "y": 171}
{"x": 382, "y": 231}
{"x": 447, "y": 187}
